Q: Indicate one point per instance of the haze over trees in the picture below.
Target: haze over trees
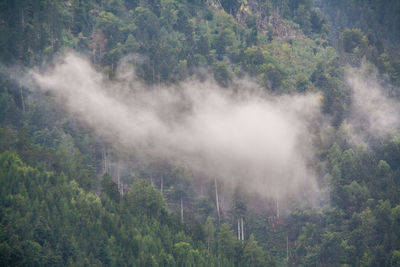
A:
(199, 133)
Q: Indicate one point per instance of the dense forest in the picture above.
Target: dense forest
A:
(199, 133)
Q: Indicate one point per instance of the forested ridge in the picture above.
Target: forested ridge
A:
(71, 197)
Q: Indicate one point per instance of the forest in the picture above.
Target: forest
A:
(199, 133)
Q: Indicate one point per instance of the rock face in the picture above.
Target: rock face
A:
(281, 29)
(214, 5)
(267, 22)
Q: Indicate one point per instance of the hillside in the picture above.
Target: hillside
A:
(199, 133)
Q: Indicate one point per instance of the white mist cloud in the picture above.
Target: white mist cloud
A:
(263, 141)
(373, 112)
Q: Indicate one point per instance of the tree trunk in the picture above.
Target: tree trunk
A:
(182, 210)
(238, 224)
(277, 206)
(118, 179)
(287, 249)
(22, 99)
(216, 198)
(105, 167)
(241, 219)
(162, 184)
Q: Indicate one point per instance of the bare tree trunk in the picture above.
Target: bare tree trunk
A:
(238, 224)
(162, 184)
(22, 99)
(105, 167)
(151, 180)
(216, 198)
(241, 219)
(182, 210)
(277, 206)
(118, 179)
(94, 53)
(287, 249)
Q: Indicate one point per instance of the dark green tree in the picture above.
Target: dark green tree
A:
(110, 188)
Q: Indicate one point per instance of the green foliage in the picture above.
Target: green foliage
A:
(378, 17)
(222, 74)
(253, 255)
(142, 198)
(224, 35)
(64, 224)
(110, 188)
(302, 16)
(226, 242)
(56, 207)
(352, 39)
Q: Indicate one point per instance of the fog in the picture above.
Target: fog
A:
(372, 113)
(244, 134)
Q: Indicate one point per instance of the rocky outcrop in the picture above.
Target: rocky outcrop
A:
(268, 22)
